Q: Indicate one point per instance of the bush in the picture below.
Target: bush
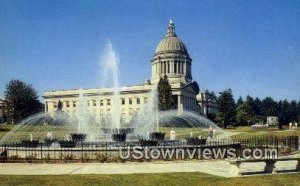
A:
(195, 141)
(101, 157)
(157, 136)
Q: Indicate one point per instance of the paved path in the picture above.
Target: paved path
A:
(218, 168)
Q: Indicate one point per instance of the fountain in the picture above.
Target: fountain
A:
(82, 126)
(110, 66)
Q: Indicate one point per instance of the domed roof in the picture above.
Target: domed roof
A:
(171, 43)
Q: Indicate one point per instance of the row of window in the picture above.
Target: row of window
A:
(108, 102)
(104, 112)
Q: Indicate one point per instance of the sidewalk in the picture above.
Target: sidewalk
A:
(218, 168)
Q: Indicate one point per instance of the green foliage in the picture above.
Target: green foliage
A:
(22, 100)
(244, 113)
(255, 110)
(165, 101)
(239, 101)
(227, 110)
(268, 107)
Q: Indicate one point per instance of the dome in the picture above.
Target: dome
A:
(171, 43)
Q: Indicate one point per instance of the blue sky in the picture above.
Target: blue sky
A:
(252, 47)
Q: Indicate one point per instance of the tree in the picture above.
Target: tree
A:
(293, 111)
(22, 100)
(227, 111)
(298, 111)
(257, 107)
(268, 107)
(282, 113)
(239, 102)
(165, 101)
(244, 113)
(250, 102)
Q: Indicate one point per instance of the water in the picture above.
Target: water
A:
(110, 77)
(83, 121)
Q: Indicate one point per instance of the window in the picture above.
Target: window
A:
(145, 100)
(130, 111)
(94, 103)
(55, 105)
(130, 101)
(123, 101)
(108, 111)
(74, 103)
(108, 101)
(101, 102)
(68, 104)
(138, 100)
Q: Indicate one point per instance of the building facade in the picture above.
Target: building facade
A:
(3, 111)
(171, 58)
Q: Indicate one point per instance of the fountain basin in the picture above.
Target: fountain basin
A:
(121, 137)
(115, 130)
(67, 144)
(157, 136)
(144, 142)
(30, 143)
(76, 137)
(49, 141)
(196, 141)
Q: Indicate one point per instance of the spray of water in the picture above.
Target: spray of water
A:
(148, 120)
(110, 77)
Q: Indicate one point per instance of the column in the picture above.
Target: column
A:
(180, 103)
(64, 105)
(159, 68)
(46, 105)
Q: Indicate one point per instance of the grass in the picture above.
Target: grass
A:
(153, 179)
(274, 131)
(150, 179)
(59, 132)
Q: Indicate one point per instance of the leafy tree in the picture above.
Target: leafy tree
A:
(227, 110)
(257, 107)
(282, 112)
(268, 107)
(22, 100)
(250, 102)
(165, 100)
(244, 113)
(293, 111)
(239, 102)
(298, 111)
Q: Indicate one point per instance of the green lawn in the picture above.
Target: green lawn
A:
(39, 132)
(245, 130)
(150, 179)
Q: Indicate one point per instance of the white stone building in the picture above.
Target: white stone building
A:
(3, 110)
(171, 58)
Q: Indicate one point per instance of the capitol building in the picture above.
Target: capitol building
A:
(171, 58)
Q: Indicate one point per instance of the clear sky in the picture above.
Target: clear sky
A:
(252, 47)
